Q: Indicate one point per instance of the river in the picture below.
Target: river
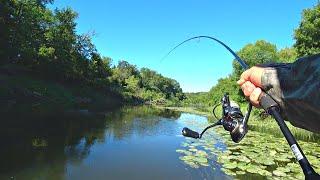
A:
(130, 143)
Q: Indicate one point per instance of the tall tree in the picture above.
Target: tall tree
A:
(307, 35)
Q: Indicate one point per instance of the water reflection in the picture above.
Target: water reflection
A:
(32, 144)
(41, 148)
(141, 121)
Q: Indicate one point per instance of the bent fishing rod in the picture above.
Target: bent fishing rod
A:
(233, 120)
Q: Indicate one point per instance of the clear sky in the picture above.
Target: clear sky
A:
(143, 31)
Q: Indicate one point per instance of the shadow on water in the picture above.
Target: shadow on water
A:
(41, 148)
(41, 143)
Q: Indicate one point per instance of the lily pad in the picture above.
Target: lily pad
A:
(244, 159)
(264, 172)
(193, 150)
(201, 159)
(252, 169)
(186, 158)
(240, 172)
(279, 173)
(283, 169)
(272, 153)
(201, 153)
(228, 172)
(230, 165)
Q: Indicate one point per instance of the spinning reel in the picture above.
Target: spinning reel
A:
(232, 120)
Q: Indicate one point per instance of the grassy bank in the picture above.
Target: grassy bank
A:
(256, 123)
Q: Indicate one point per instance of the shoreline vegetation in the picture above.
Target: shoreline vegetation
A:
(47, 67)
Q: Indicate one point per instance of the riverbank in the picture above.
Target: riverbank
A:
(22, 92)
(256, 123)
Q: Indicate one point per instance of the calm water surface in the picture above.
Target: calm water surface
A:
(132, 143)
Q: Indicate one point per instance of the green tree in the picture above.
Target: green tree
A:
(307, 35)
(260, 52)
(22, 25)
(132, 84)
(287, 55)
(123, 71)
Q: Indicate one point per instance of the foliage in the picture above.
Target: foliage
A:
(307, 35)
(46, 42)
(288, 55)
(147, 84)
(261, 52)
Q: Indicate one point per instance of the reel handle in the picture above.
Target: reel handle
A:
(189, 133)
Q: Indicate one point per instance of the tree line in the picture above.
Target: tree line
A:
(45, 41)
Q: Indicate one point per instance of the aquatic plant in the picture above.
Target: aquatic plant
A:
(259, 155)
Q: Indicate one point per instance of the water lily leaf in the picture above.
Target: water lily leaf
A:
(279, 173)
(228, 172)
(180, 151)
(264, 172)
(235, 147)
(224, 158)
(242, 165)
(252, 155)
(252, 169)
(204, 164)
(283, 169)
(244, 159)
(193, 150)
(280, 149)
(268, 162)
(229, 165)
(201, 159)
(282, 159)
(240, 172)
(236, 153)
(201, 153)
(262, 167)
(186, 158)
(273, 153)
(314, 160)
(184, 144)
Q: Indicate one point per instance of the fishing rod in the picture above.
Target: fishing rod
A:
(233, 120)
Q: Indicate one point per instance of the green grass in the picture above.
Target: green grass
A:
(270, 126)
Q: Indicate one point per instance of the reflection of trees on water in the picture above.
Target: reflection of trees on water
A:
(40, 148)
(138, 120)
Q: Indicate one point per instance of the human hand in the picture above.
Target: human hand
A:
(250, 83)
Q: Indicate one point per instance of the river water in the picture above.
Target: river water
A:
(131, 143)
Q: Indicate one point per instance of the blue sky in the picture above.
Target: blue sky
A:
(143, 31)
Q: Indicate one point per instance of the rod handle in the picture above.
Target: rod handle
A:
(267, 102)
